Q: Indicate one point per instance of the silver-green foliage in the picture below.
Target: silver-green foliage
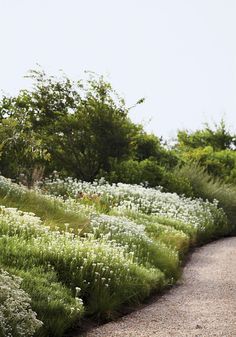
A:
(17, 319)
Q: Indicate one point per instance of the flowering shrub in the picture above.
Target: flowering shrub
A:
(96, 246)
(123, 198)
(15, 222)
(52, 210)
(134, 238)
(16, 316)
(100, 267)
(55, 304)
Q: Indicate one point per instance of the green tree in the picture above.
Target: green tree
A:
(213, 149)
(80, 127)
(21, 150)
(218, 137)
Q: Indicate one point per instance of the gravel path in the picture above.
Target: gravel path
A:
(203, 305)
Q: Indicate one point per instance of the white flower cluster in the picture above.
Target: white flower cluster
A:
(16, 222)
(122, 197)
(8, 187)
(117, 225)
(17, 319)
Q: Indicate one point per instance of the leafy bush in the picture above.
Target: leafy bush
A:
(17, 319)
(61, 123)
(212, 148)
(149, 172)
(55, 304)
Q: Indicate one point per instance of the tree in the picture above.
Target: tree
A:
(213, 149)
(21, 150)
(74, 127)
(219, 138)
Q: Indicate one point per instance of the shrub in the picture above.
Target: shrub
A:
(55, 304)
(118, 259)
(209, 188)
(17, 319)
(105, 271)
(134, 238)
(149, 172)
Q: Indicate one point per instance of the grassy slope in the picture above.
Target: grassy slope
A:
(53, 268)
(51, 210)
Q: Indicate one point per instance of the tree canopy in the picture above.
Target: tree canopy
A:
(213, 148)
(82, 129)
(77, 128)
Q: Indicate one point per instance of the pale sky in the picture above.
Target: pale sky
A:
(178, 54)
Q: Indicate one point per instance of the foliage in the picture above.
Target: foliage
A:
(148, 172)
(149, 146)
(17, 319)
(218, 138)
(105, 272)
(73, 127)
(21, 148)
(54, 303)
(80, 129)
(118, 259)
(213, 149)
(122, 198)
(210, 188)
(85, 246)
(52, 211)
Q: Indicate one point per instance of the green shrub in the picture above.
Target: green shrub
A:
(134, 238)
(118, 259)
(17, 319)
(55, 304)
(149, 172)
(105, 272)
(207, 187)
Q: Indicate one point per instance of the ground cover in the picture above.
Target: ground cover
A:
(90, 248)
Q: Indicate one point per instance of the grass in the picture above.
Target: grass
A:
(52, 301)
(175, 234)
(117, 260)
(207, 187)
(51, 210)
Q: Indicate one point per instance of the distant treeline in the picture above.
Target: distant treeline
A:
(82, 129)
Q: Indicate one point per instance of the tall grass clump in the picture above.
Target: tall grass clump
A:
(210, 188)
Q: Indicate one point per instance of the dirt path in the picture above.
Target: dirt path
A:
(204, 305)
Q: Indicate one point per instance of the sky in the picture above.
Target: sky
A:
(178, 54)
